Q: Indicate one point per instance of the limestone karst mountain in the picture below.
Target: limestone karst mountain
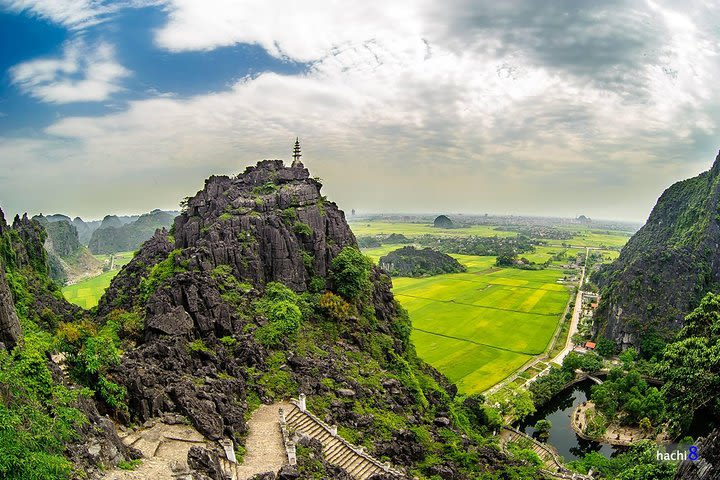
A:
(69, 260)
(667, 266)
(258, 293)
(418, 262)
(122, 234)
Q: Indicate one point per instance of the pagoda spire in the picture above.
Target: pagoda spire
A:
(296, 153)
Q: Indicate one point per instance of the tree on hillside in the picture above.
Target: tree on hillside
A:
(605, 347)
(690, 366)
(512, 401)
(350, 273)
(542, 428)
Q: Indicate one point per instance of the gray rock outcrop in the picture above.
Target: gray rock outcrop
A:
(10, 332)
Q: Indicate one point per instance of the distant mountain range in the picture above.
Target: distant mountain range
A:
(70, 243)
(120, 234)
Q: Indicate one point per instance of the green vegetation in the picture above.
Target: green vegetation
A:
(280, 306)
(160, 272)
(693, 359)
(87, 293)
(302, 228)
(589, 362)
(480, 326)
(549, 385)
(198, 346)
(129, 464)
(231, 289)
(350, 273)
(628, 399)
(639, 463)
(512, 401)
(129, 236)
(412, 262)
(265, 189)
(91, 350)
(37, 415)
(542, 427)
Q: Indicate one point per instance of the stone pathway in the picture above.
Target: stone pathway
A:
(164, 448)
(264, 444)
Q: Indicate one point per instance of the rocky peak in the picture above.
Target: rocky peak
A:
(269, 223)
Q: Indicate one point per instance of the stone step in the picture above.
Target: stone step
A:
(335, 451)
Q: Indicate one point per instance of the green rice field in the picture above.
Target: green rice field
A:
(87, 293)
(584, 237)
(480, 326)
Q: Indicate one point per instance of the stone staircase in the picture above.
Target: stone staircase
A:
(553, 464)
(337, 451)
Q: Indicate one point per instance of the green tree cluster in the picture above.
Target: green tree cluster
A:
(638, 463)
(690, 366)
(37, 415)
(628, 397)
(350, 273)
(588, 362)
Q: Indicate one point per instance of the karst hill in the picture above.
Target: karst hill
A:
(667, 266)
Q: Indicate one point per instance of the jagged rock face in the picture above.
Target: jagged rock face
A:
(10, 331)
(62, 235)
(667, 266)
(30, 249)
(124, 289)
(243, 222)
(707, 467)
(208, 387)
(85, 229)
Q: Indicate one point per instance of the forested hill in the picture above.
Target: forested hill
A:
(667, 266)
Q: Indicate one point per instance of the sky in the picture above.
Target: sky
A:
(560, 107)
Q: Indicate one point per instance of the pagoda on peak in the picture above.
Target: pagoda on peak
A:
(296, 154)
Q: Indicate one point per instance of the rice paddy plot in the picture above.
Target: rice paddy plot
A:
(87, 293)
(480, 326)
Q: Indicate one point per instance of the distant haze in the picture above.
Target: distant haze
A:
(575, 107)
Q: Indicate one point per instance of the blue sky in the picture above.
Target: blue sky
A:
(478, 106)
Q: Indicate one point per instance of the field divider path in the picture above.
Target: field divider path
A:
(478, 306)
(527, 285)
(474, 342)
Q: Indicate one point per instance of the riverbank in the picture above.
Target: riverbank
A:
(615, 435)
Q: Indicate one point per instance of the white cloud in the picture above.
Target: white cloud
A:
(394, 116)
(75, 14)
(82, 74)
(302, 31)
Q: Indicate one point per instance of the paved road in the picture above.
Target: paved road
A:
(568, 343)
(575, 317)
